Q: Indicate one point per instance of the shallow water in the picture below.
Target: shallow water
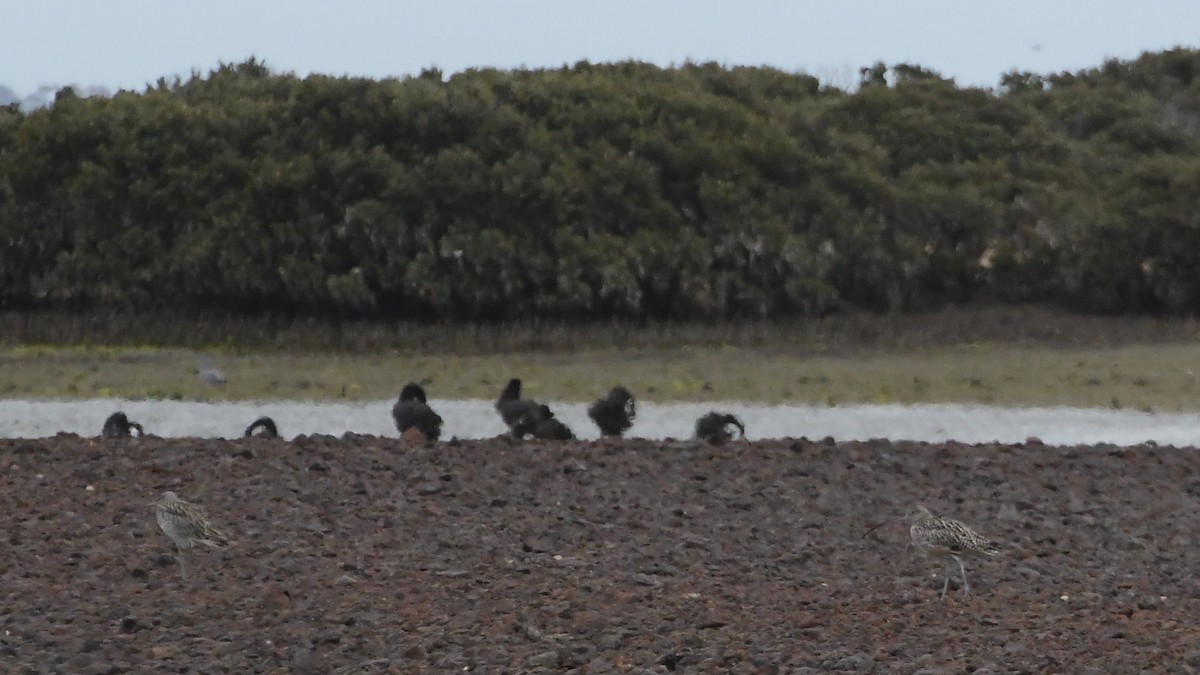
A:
(477, 419)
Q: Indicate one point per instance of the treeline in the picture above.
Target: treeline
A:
(619, 190)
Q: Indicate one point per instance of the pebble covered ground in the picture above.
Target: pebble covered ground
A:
(376, 555)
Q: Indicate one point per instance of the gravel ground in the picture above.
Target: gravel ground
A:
(363, 554)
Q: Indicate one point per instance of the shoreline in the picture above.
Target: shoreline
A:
(667, 423)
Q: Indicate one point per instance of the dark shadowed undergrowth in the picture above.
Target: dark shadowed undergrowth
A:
(1003, 324)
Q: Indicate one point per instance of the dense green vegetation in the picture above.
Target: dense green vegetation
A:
(622, 190)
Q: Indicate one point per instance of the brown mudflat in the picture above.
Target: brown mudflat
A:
(368, 554)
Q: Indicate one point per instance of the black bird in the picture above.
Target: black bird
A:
(118, 426)
(615, 412)
(717, 428)
(412, 411)
(526, 417)
(263, 427)
(516, 411)
(540, 422)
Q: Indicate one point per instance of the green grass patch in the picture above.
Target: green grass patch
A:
(1134, 376)
(1001, 354)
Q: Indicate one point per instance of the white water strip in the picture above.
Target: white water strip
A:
(477, 419)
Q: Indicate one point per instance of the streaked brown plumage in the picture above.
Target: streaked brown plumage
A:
(949, 538)
(186, 525)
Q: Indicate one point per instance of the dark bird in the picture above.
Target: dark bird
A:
(263, 427)
(718, 428)
(510, 405)
(516, 411)
(614, 413)
(540, 422)
(413, 411)
(118, 426)
(526, 417)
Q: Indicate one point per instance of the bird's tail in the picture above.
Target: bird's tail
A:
(512, 391)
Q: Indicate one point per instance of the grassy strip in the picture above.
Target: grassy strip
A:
(1137, 376)
(1002, 355)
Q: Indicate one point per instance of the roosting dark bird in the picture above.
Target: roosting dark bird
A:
(413, 411)
(515, 410)
(118, 426)
(717, 428)
(540, 422)
(525, 417)
(263, 427)
(614, 413)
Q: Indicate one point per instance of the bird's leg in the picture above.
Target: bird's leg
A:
(182, 563)
(963, 571)
(946, 583)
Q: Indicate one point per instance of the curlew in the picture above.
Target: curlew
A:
(949, 538)
(186, 526)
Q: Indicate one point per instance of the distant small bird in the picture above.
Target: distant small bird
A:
(263, 427)
(412, 411)
(717, 428)
(209, 372)
(186, 526)
(940, 537)
(522, 416)
(615, 412)
(118, 426)
(540, 422)
(511, 406)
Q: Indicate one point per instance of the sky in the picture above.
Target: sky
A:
(126, 44)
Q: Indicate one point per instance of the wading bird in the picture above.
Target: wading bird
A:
(186, 526)
(948, 539)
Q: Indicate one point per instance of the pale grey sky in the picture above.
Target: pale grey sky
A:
(128, 43)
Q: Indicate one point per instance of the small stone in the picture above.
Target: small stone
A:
(542, 660)
(642, 579)
(429, 488)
